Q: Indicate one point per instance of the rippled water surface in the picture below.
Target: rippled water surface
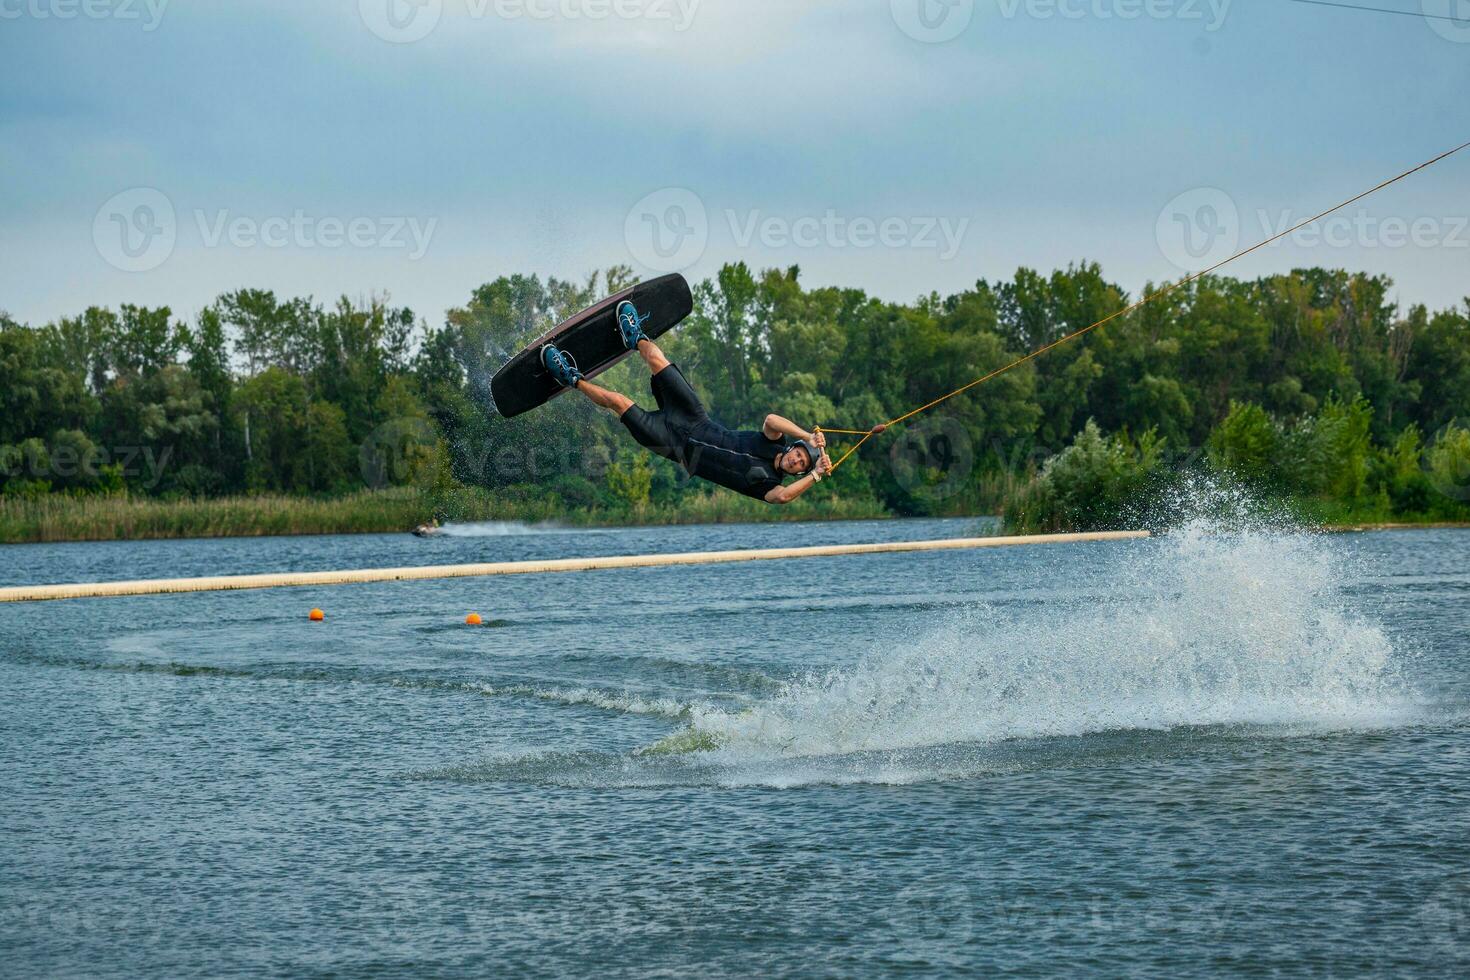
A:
(1207, 752)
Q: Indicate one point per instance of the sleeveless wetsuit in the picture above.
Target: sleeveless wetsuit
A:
(681, 430)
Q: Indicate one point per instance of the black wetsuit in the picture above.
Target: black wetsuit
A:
(681, 430)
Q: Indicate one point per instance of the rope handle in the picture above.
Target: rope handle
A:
(865, 433)
(816, 472)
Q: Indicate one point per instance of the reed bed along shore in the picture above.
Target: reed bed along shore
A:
(60, 517)
(57, 517)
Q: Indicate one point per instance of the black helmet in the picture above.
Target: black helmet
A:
(812, 454)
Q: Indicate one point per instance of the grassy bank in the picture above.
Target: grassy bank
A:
(58, 517)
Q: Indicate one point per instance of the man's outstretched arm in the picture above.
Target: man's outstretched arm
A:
(788, 493)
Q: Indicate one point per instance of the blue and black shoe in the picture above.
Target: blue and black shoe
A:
(560, 365)
(630, 324)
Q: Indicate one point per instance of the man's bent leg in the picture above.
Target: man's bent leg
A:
(652, 356)
(672, 391)
(653, 431)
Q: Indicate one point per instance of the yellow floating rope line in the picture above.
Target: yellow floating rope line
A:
(868, 434)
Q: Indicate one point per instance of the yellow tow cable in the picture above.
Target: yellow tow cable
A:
(875, 430)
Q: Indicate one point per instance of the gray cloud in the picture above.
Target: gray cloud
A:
(528, 139)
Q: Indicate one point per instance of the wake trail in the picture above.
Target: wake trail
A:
(503, 529)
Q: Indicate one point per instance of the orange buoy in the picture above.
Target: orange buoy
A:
(473, 619)
(317, 615)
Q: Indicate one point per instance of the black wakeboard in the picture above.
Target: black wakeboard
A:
(592, 338)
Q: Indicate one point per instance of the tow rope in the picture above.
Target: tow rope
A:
(875, 430)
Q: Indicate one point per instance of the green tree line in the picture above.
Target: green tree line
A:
(1313, 384)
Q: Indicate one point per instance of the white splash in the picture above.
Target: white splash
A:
(499, 529)
(1202, 626)
(623, 703)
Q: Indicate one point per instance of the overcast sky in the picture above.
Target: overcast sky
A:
(163, 153)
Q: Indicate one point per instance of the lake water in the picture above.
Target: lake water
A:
(1206, 752)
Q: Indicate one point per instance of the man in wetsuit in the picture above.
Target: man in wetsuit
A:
(752, 462)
